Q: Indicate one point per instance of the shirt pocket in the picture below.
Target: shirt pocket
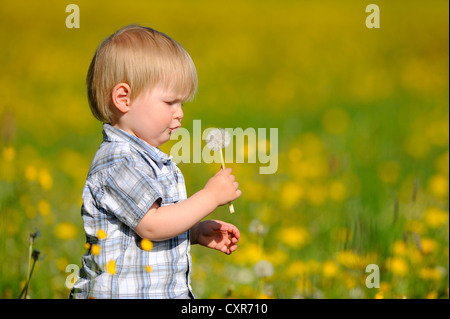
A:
(170, 190)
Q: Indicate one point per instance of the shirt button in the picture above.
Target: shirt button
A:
(171, 192)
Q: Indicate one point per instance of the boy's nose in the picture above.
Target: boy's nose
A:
(178, 113)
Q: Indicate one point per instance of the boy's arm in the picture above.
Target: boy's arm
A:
(161, 223)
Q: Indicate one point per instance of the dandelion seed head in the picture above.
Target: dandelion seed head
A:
(256, 227)
(218, 138)
(263, 268)
(35, 254)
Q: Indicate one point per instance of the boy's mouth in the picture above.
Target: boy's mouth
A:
(174, 129)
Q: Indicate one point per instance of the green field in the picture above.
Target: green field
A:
(363, 141)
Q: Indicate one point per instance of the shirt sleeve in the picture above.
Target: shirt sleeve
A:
(129, 191)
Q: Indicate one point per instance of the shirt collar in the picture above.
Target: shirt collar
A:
(111, 133)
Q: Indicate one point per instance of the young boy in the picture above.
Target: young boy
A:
(139, 224)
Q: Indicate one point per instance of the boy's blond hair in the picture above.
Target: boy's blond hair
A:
(142, 58)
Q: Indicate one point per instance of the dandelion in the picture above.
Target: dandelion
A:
(429, 273)
(44, 207)
(31, 173)
(428, 245)
(95, 249)
(32, 254)
(432, 295)
(45, 179)
(101, 234)
(291, 194)
(216, 140)
(148, 268)
(435, 217)
(338, 191)
(111, 267)
(65, 231)
(256, 227)
(263, 268)
(397, 266)
(9, 153)
(329, 269)
(294, 236)
(438, 185)
(146, 244)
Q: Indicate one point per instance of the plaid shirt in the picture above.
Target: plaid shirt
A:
(126, 177)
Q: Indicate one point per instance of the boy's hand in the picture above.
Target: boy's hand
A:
(216, 234)
(223, 187)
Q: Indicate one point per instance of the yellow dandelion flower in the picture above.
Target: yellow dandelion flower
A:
(65, 231)
(399, 248)
(45, 179)
(87, 246)
(430, 274)
(148, 268)
(9, 153)
(296, 268)
(95, 249)
(250, 253)
(379, 295)
(353, 260)
(101, 234)
(438, 185)
(295, 236)
(349, 259)
(338, 191)
(428, 245)
(61, 263)
(111, 267)
(329, 269)
(435, 217)
(31, 172)
(277, 257)
(432, 295)
(397, 266)
(291, 194)
(44, 207)
(146, 244)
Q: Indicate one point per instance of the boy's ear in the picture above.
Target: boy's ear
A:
(121, 97)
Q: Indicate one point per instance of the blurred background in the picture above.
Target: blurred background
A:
(363, 127)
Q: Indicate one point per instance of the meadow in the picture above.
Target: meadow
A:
(363, 141)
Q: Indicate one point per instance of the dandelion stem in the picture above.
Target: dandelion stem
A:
(27, 284)
(30, 249)
(230, 204)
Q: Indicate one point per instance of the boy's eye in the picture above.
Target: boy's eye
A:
(173, 103)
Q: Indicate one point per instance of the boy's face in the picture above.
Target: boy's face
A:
(154, 115)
